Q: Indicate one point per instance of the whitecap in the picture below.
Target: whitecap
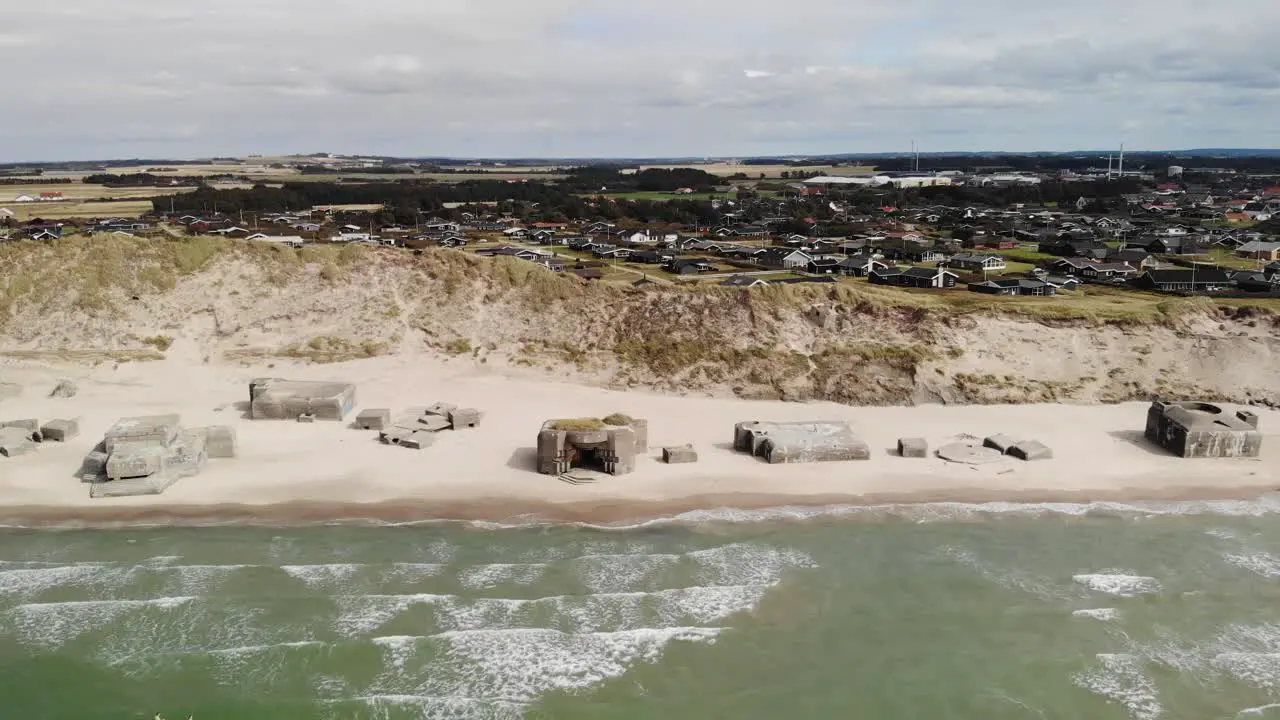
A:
(1104, 614)
(55, 624)
(1119, 583)
(620, 573)
(1006, 578)
(336, 574)
(1119, 678)
(747, 564)
(483, 577)
(1258, 563)
(27, 582)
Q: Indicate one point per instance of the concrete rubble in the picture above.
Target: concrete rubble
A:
(64, 389)
(276, 399)
(969, 452)
(609, 446)
(913, 448)
(679, 455)
(1030, 450)
(417, 427)
(1203, 430)
(146, 455)
(15, 441)
(800, 442)
(60, 430)
(1001, 443)
(376, 419)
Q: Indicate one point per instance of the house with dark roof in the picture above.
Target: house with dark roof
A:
(917, 277)
(744, 281)
(908, 252)
(860, 265)
(688, 266)
(1272, 269)
(1014, 286)
(1183, 280)
(1060, 282)
(1174, 245)
(652, 257)
(823, 266)
(784, 258)
(1255, 282)
(976, 262)
(1137, 259)
(1108, 272)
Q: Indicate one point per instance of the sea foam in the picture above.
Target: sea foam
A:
(1119, 678)
(1118, 583)
(52, 625)
(1104, 614)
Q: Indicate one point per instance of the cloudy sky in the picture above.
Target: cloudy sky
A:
(554, 78)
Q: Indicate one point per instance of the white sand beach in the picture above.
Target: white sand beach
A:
(327, 470)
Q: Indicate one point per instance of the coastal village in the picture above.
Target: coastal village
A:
(1182, 230)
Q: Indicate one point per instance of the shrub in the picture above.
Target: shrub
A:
(617, 420)
(577, 424)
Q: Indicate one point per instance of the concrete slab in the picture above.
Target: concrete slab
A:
(154, 429)
(464, 418)
(60, 430)
(1031, 450)
(913, 448)
(373, 419)
(679, 455)
(800, 442)
(1001, 443)
(15, 441)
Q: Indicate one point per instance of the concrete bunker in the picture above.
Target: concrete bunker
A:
(799, 442)
(276, 399)
(1203, 430)
(146, 455)
(417, 427)
(609, 445)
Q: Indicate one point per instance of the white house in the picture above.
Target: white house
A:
(24, 198)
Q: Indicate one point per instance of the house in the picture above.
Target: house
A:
(1014, 286)
(860, 265)
(46, 234)
(293, 241)
(1103, 272)
(1060, 282)
(452, 241)
(24, 199)
(688, 266)
(551, 262)
(1259, 250)
(1137, 259)
(652, 257)
(597, 228)
(233, 231)
(442, 226)
(1072, 266)
(976, 262)
(1255, 282)
(587, 273)
(1173, 245)
(1272, 269)
(744, 281)
(544, 237)
(909, 252)
(823, 266)
(1183, 279)
(784, 258)
(917, 277)
(515, 232)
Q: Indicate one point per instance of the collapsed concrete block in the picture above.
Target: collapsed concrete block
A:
(60, 430)
(94, 466)
(1031, 450)
(136, 460)
(913, 448)
(396, 434)
(276, 399)
(1001, 443)
(419, 440)
(306, 418)
(157, 429)
(375, 419)
(463, 418)
(441, 409)
(679, 455)
(64, 389)
(30, 424)
(1203, 430)
(429, 423)
(219, 441)
(799, 442)
(15, 441)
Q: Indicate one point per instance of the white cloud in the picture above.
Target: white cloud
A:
(614, 77)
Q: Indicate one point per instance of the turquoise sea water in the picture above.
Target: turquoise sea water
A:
(932, 612)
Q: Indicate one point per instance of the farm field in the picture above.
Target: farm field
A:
(70, 209)
(725, 169)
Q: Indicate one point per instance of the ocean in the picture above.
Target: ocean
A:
(939, 611)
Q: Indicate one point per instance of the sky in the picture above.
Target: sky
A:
(100, 79)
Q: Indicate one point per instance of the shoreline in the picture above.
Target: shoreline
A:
(505, 512)
(295, 473)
